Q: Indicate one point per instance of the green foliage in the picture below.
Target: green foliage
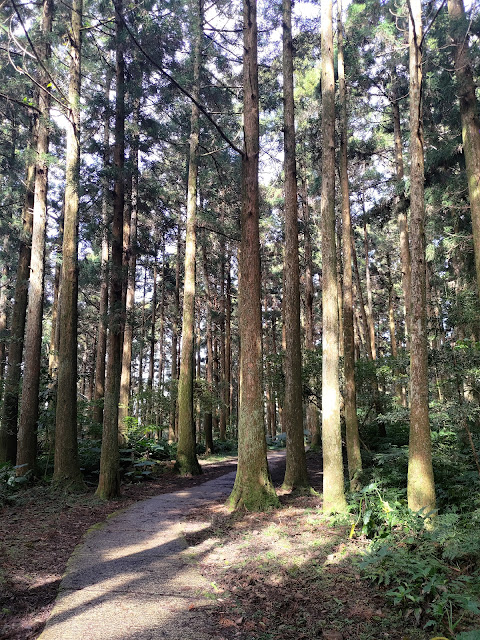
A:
(10, 483)
(429, 566)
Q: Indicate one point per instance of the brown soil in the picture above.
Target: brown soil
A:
(38, 534)
(283, 575)
(289, 574)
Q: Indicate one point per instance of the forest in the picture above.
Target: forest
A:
(228, 229)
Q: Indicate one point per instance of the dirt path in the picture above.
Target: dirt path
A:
(132, 579)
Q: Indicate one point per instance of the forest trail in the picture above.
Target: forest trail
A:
(133, 577)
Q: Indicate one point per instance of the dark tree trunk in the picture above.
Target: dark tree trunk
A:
(253, 488)
(67, 472)
(296, 476)
(109, 480)
(27, 430)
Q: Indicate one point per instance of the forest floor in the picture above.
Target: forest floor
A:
(286, 574)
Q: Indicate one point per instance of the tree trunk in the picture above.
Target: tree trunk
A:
(208, 412)
(401, 206)
(351, 421)
(421, 487)
(103, 309)
(174, 350)
(109, 480)
(223, 378)
(253, 489)
(333, 485)
(469, 116)
(313, 424)
(131, 257)
(67, 472)
(27, 430)
(187, 462)
(151, 360)
(55, 327)
(8, 430)
(368, 281)
(296, 476)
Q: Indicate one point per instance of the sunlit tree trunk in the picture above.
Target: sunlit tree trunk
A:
(333, 485)
(351, 421)
(421, 487)
(253, 488)
(67, 472)
(27, 429)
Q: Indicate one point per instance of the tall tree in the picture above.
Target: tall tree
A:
(66, 467)
(333, 485)
(109, 479)
(253, 488)
(421, 487)
(8, 429)
(351, 421)
(469, 115)
(101, 351)
(27, 429)
(131, 257)
(186, 456)
(296, 476)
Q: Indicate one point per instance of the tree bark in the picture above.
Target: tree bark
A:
(351, 421)
(469, 115)
(8, 430)
(27, 430)
(109, 480)
(253, 489)
(101, 351)
(333, 485)
(421, 487)
(296, 476)
(401, 206)
(174, 350)
(187, 462)
(313, 424)
(125, 379)
(67, 472)
(208, 410)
